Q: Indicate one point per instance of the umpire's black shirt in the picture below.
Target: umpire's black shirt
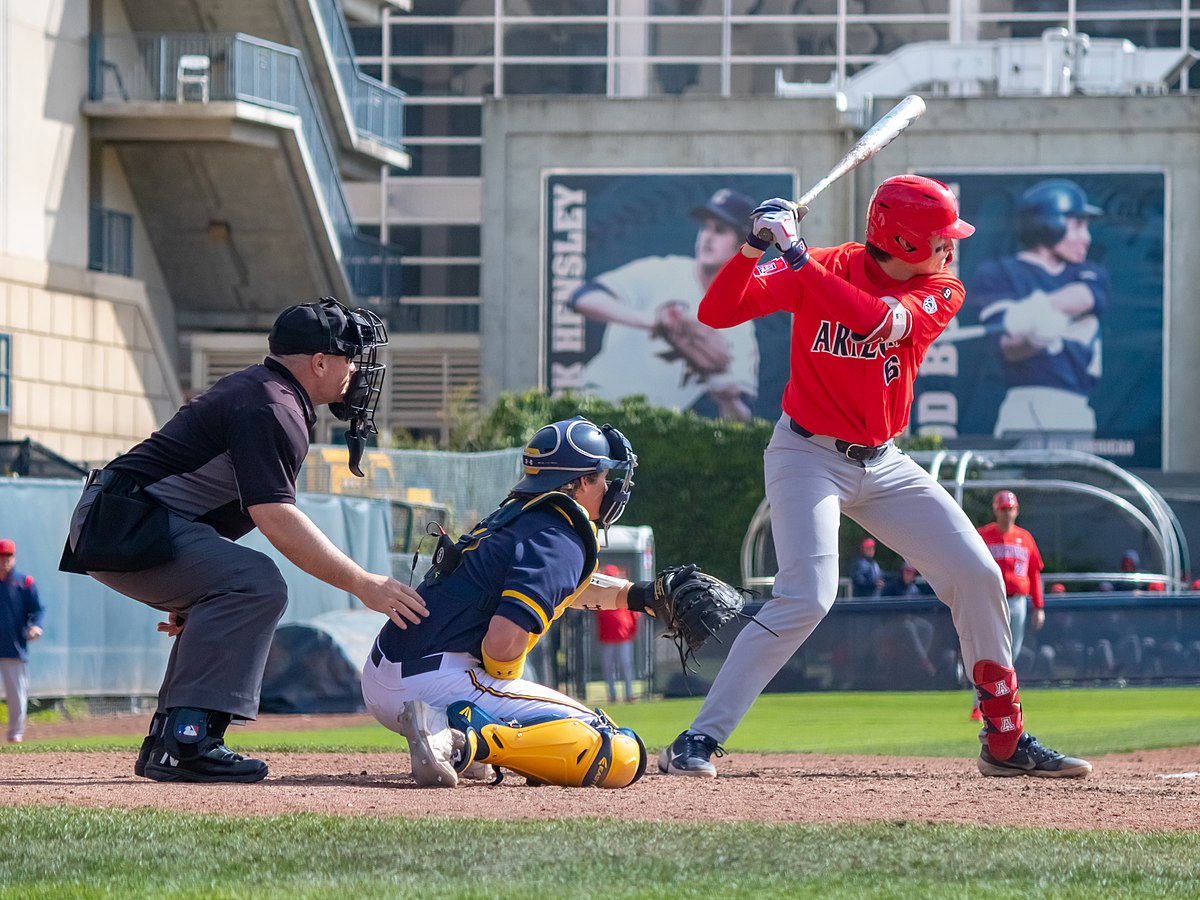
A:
(238, 444)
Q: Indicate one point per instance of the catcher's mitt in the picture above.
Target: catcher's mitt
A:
(704, 350)
(693, 606)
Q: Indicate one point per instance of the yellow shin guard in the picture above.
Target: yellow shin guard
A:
(565, 752)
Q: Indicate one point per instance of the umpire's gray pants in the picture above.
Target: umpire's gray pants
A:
(230, 599)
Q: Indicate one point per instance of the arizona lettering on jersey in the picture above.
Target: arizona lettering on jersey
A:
(1016, 552)
(858, 336)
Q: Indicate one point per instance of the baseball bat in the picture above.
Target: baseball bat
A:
(969, 333)
(878, 136)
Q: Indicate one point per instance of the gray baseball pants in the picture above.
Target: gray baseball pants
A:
(230, 599)
(810, 485)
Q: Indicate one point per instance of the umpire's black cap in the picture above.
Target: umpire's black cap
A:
(730, 206)
(320, 327)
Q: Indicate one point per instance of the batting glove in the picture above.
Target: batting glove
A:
(762, 240)
(782, 225)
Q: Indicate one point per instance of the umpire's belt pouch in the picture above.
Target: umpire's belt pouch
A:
(124, 531)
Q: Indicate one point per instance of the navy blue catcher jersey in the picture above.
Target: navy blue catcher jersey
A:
(527, 571)
(1076, 367)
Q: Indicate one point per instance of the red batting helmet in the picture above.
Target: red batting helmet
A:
(907, 210)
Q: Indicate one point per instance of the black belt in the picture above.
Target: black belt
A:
(410, 667)
(860, 453)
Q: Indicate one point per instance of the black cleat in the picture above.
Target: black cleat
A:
(213, 763)
(1031, 758)
(191, 747)
(689, 754)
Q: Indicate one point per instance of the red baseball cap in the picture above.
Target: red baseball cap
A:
(7, 548)
(867, 542)
(1004, 500)
(1058, 588)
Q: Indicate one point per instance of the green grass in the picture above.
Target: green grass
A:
(58, 852)
(1078, 721)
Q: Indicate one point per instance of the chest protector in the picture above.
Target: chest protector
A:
(447, 556)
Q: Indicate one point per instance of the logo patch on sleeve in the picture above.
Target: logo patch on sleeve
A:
(773, 266)
(947, 293)
(929, 305)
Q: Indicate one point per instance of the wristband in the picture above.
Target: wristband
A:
(505, 670)
(638, 593)
(756, 242)
(797, 254)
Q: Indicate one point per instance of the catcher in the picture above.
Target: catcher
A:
(453, 686)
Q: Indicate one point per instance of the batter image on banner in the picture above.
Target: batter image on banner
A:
(653, 344)
(863, 319)
(1059, 344)
(454, 686)
(1045, 304)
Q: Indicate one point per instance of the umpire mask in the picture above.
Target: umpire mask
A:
(356, 334)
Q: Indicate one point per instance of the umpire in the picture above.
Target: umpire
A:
(159, 524)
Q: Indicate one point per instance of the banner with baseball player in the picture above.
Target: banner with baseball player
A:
(627, 257)
(1060, 342)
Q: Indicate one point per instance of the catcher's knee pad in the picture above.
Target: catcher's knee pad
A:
(1000, 704)
(565, 752)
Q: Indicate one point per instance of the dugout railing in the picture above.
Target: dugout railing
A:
(1084, 511)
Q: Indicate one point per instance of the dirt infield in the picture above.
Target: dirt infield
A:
(1146, 791)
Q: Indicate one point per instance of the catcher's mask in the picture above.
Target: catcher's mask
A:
(560, 453)
(327, 326)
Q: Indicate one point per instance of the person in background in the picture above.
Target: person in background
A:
(20, 622)
(866, 576)
(1016, 552)
(617, 629)
(906, 585)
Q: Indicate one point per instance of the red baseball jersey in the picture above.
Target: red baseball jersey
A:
(1017, 554)
(616, 625)
(852, 366)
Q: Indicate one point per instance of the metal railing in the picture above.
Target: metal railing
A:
(987, 471)
(164, 68)
(719, 48)
(110, 241)
(376, 108)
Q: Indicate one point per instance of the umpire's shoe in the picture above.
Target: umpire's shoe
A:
(193, 749)
(689, 755)
(1031, 758)
(148, 742)
(430, 744)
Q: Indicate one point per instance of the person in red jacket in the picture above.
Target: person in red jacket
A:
(863, 318)
(618, 628)
(1016, 552)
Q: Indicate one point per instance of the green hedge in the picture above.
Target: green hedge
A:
(698, 481)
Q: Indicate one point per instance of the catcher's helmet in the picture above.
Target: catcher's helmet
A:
(567, 450)
(1043, 210)
(907, 210)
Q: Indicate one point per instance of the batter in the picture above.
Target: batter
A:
(863, 319)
